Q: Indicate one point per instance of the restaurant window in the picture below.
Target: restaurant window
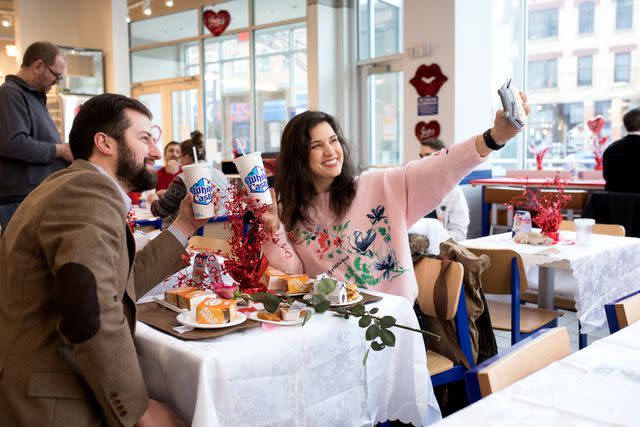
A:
(165, 62)
(269, 11)
(585, 17)
(165, 28)
(622, 67)
(585, 70)
(379, 28)
(543, 74)
(227, 90)
(280, 81)
(624, 14)
(561, 103)
(543, 23)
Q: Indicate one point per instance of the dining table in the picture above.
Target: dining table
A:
(310, 375)
(596, 386)
(606, 269)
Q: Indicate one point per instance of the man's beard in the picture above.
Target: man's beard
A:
(136, 178)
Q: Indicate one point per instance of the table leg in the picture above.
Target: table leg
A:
(546, 285)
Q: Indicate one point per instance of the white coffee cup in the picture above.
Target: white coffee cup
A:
(254, 176)
(584, 230)
(197, 178)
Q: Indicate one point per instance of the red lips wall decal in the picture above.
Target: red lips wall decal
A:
(216, 22)
(427, 130)
(428, 80)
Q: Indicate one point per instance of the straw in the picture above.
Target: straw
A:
(195, 155)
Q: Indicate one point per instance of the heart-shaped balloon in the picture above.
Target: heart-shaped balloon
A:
(596, 124)
(216, 22)
(427, 130)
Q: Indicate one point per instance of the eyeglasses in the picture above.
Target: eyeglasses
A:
(58, 77)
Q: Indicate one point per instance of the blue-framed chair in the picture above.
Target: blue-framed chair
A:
(623, 311)
(441, 369)
(506, 276)
(526, 357)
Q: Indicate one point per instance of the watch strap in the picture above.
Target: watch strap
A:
(490, 142)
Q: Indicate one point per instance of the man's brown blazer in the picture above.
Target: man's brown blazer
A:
(69, 276)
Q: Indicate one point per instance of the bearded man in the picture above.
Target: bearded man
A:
(69, 277)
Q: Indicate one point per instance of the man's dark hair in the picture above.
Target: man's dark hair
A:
(45, 51)
(631, 120)
(102, 113)
(434, 143)
(166, 147)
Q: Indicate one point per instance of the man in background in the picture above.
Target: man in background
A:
(620, 159)
(30, 146)
(171, 167)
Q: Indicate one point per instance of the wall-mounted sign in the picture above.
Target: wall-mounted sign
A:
(216, 22)
(427, 105)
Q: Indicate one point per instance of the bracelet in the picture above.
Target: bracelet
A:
(490, 142)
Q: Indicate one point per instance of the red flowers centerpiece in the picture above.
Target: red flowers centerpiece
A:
(546, 206)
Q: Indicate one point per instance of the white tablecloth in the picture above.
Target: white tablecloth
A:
(293, 376)
(596, 386)
(604, 271)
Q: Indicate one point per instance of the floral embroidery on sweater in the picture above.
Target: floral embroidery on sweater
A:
(373, 259)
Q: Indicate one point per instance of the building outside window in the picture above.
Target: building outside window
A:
(624, 14)
(543, 23)
(569, 81)
(585, 17)
(585, 70)
(543, 74)
(622, 67)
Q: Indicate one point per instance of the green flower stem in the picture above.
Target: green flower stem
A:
(437, 337)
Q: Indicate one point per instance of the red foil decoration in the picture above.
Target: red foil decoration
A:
(539, 152)
(545, 206)
(598, 142)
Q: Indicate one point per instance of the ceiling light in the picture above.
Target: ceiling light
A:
(128, 19)
(146, 8)
(6, 21)
(169, 3)
(11, 50)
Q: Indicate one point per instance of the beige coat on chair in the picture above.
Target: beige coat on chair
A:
(69, 276)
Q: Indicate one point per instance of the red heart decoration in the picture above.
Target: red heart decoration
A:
(596, 124)
(216, 22)
(428, 80)
(156, 135)
(427, 130)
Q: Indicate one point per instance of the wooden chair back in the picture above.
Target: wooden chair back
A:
(623, 312)
(497, 278)
(608, 229)
(528, 356)
(207, 243)
(427, 271)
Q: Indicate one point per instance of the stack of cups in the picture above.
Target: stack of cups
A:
(197, 178)
(584, 229)
(253, 175)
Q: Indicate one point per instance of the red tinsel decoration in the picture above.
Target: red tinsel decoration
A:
(245, 262)
(547, 206)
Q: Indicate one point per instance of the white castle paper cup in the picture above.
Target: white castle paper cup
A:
(254, 177)
(197, 178)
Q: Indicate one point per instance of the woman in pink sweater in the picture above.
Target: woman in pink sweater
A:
(355, 229)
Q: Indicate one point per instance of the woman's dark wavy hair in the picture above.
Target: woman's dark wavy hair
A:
(294, 183)
(186, 146)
